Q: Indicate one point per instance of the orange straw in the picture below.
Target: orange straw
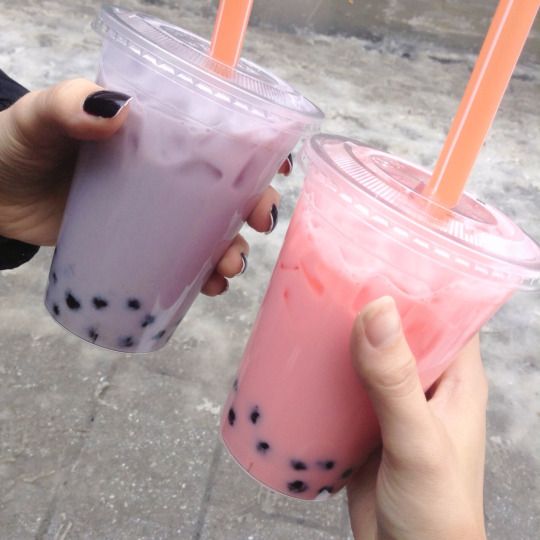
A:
(492, 72)
(229, 30)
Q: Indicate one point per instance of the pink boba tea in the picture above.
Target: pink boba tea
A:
(298, 419)
(152, 210)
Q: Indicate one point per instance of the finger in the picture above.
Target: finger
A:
(460, 401)
(287, 166)
(387, 368)
(264, 217)
(215, 285)
(361, 497)
(234, 262)
(76, 109)
(464, 384)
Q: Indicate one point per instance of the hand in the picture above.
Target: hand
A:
(39, 138)
(426, 483)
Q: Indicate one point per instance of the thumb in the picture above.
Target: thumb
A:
(387, 367)
(77, 109)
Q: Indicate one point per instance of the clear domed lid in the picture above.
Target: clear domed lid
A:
(184, 58)
(386, 190)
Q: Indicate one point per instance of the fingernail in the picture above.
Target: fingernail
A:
(273, 219)
(244, 264)
(381, 322)
(105, 104)
(289, 164)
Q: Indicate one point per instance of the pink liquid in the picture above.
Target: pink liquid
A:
(298, 419)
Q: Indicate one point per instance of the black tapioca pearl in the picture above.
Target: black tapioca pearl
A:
(347, 473)
(231, 417)
(99, 303)
(133, 304)
(326, 465)
(298, 465)
(56, 309)
(72, 302)
(159, 335)
(235, 385)
(263, 447)
(127, 341)
(93, 335)
(54, 278)
(148, 320)
(326, 489)
(298, 486)
(255, 415)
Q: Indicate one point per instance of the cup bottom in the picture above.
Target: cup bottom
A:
(91, 332)
(323, 495)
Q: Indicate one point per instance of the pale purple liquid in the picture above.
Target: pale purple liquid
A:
(152, 210)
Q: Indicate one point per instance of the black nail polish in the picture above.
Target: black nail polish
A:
(244, 263)
(290, 160)
(273, 219)
(105, 104)
(289, 168)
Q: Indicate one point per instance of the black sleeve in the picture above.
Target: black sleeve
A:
(10, 91)
(12, 252)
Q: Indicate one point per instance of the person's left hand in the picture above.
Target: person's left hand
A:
(39, 138)
(427, 480)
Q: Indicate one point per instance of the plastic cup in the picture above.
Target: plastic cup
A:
(152, 210)
(298, 419)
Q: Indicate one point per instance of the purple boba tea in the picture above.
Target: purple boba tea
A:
(152, 210)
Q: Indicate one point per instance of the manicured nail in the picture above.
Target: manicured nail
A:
(105, 104)
(244, 264)
(287, 166)
(273, 219)
(382, 323)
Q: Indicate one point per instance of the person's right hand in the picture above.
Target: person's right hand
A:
(427, 481)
